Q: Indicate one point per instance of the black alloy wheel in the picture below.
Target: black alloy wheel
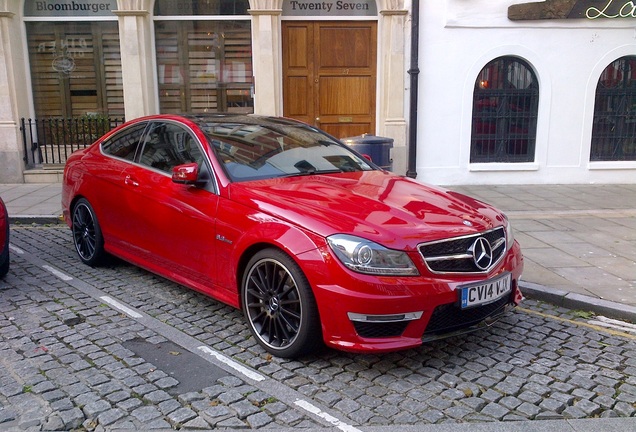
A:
(279, 305)
(87, 235)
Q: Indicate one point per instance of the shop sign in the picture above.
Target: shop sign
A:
(573, 9)
(63, 64)
(607, 9)
(330, 8)
(63, 52)
(69, 8)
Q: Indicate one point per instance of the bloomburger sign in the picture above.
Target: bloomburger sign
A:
(71, 8)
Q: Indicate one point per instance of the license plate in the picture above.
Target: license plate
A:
(485, 292)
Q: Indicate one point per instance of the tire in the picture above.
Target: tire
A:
(87, 234)
(4, 254)
(279, 305)
(4, 260)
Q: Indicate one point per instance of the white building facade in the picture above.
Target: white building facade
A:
(574, 59)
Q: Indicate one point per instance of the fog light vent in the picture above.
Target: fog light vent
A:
(380, 326)
(380, 329)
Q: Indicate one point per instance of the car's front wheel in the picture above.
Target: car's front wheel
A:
(279, 305)
(87, 234)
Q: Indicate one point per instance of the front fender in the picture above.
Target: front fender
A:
(241, 232)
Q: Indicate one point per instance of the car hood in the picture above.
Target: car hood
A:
(394, 211)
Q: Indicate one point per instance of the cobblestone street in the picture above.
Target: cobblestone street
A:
(116, 348)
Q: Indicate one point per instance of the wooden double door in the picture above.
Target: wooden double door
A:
(329, 75)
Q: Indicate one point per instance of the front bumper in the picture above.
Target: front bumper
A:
(379, 314)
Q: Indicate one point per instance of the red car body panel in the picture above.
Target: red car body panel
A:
(203, 238)
(4, 239)
(4, 223)
(395, 211)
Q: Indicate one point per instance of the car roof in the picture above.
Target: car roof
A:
(248, 119)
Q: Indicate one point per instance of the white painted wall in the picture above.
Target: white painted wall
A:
(459, 37)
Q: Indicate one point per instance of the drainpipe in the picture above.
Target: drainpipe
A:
(414, 72)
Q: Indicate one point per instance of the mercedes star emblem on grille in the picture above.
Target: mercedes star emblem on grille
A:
(482, 253)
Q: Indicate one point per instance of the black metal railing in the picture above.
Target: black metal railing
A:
(50, 141)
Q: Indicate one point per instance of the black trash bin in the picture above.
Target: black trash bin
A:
(376, 147)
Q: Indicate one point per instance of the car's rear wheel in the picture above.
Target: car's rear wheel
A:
(279, 305)
(87, 234)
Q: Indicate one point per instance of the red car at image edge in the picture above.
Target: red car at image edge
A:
(4, 239)
(310, 239)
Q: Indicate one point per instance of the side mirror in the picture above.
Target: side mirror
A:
(185, 174)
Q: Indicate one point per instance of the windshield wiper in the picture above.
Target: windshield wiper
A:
(311, 172)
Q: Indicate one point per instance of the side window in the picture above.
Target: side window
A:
(505, 109)
(124, 143)
(167, 145)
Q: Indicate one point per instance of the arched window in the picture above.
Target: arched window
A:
(614, 127)
(505, 105)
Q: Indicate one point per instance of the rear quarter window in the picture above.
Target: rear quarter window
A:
(124, 143)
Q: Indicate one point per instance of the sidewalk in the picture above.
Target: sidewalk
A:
(579, 241)
(33, 202)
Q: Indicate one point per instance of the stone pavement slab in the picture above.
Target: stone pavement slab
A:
(33, 201)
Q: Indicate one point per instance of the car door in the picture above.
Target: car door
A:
(174, 224)
(108, 187)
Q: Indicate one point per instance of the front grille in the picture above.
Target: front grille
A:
(380, 330)
(450, 317)
(454, 255)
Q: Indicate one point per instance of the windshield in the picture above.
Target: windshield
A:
(255, 151)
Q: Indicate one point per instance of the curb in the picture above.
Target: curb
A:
(575, 301)
(36, 220)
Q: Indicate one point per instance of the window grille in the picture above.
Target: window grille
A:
(614, 127)
(505, 105)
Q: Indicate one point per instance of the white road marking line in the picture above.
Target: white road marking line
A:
(331, 419)
(279, 390)
(612, 323)
(57, 273)
(16, 249)
(125, 309)
(595, 327)
(231, 363)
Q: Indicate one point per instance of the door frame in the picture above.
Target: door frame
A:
(319, 79)
(393, 42)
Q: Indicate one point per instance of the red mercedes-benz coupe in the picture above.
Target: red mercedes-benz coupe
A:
(309, 238)
(4, 239)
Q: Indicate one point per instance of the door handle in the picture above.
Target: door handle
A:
(129, 181)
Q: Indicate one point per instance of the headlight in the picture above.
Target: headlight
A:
(510, 235)
(365, 256)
